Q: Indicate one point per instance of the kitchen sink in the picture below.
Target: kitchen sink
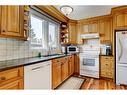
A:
(51, 55)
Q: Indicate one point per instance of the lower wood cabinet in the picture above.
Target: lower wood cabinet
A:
(14, 85)
(71, 65)
(62, 68)
(76, 64)
(12, 79)
(56, 72)
(107, 66)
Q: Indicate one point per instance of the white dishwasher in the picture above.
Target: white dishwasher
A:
(38, 76)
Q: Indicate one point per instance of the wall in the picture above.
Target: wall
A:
(14, 49)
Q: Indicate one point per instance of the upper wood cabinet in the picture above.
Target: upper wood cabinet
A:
(90, 26)
(85, 27)
(72, 32)
(120, 20)
(105, 30)
(119, 17)
(93, 27)
(79, 32)
(12, 21)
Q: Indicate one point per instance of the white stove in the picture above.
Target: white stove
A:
(89, 62)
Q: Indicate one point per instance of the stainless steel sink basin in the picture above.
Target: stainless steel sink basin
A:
(51, 55)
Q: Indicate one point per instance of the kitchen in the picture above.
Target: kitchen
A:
(42, 47)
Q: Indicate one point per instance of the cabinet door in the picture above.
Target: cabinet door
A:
(76, 64)
(71, 65)
(107, 67)
(93, 27)
(12, 20)
(56, 74)
(14, 85)
(64, 69)
(105, 30)
(85, 28)
(72, 33)
(79, 32)
(120, 20)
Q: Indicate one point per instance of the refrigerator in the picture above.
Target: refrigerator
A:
(121, 57)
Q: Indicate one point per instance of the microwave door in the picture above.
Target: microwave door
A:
(71, 49)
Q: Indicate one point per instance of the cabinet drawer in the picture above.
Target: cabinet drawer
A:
(57, 60)
(109, 74)
(64, 59)
(11, 74)
(103, 73)
(56, 64)
(18, 84)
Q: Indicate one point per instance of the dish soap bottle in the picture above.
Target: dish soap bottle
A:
(39, 54)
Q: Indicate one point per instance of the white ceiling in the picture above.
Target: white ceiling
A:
(87, 11)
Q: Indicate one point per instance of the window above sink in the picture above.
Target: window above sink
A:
(44, 32)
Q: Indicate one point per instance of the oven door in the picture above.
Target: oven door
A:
(89, 63)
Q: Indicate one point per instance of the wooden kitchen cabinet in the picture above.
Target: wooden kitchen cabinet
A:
(56, 72)
(90, 27)
(107, 66)
(15, 85)
(71, 64)
(76, 64)
(64, 68)
(12, 21)
(105, 29)
(12, 79)
(120, 20)
(72, 32)
(93, 27)
(119, 17)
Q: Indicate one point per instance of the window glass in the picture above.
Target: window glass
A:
(53, 35)
(37, 32)
(44, 32)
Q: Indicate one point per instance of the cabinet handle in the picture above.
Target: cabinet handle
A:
(61, 64)
(37, 68)
(2, 78)
(3, 31)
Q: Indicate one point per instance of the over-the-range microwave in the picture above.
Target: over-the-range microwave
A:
(72, 49)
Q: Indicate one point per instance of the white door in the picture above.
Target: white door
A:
(121, 57)
(121, 74)
(121, 47)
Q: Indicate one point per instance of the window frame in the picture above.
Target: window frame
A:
(48, 19)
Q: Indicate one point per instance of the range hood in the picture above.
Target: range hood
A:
(90, 36)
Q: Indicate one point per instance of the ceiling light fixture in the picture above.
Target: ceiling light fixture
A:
(66, 10)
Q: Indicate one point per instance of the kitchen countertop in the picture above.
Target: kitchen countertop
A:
(8, 64)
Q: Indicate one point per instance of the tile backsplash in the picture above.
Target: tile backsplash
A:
(14, 49)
